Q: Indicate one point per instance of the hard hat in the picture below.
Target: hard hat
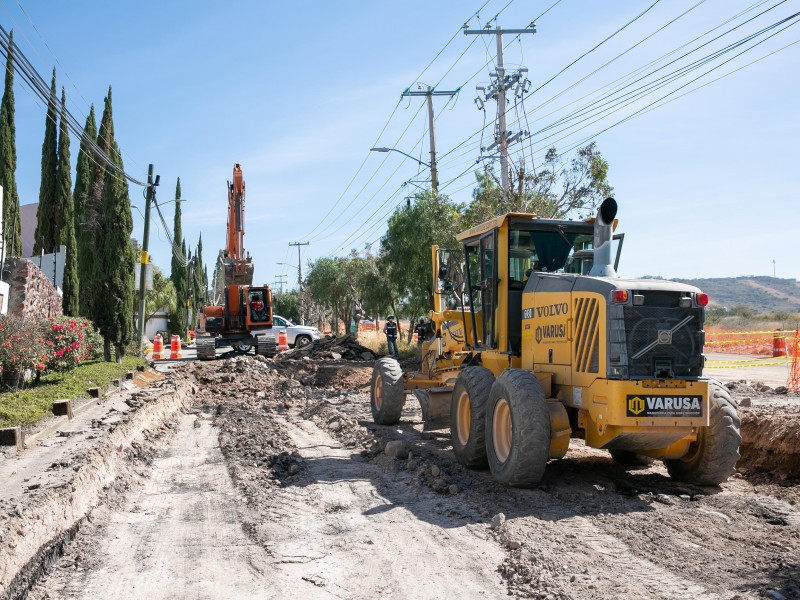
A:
(390, 318)
(422, 319)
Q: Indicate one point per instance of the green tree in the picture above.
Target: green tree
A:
(199, 285)
(555, 190)
(338, 284)
(8, 160)
(161, 296)
(177, 318)
(287, 304)
(406, 249)
(84, 238)
(66, 226)
(47, 215)
(114, 314)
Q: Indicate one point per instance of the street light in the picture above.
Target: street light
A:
(288, 265)
(432, 167)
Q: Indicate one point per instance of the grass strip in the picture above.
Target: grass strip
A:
(28, 405)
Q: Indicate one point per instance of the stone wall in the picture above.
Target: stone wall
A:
(32, 294)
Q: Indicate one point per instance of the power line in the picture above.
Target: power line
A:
(36, 83)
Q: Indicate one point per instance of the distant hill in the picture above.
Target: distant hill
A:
(761, 294)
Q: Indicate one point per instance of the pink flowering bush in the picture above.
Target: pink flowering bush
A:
(29, 349)
(69, 341)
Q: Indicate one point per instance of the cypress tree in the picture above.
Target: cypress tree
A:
(177, 320)
(47, 214)
(115, 263)
(199, 285)
(66, 225)
(84, 233)
(8, 160)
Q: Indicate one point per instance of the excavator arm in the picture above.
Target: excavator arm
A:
(238, 265)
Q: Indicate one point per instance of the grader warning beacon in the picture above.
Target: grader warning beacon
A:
(535, 339)
(244, 320)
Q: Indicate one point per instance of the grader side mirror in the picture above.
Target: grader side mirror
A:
(442, 272)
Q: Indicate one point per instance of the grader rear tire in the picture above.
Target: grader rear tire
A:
(386, 392)
(468, 416)
(712, 458)
(517, 429)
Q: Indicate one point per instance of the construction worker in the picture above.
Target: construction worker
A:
(391, 329)
(257, 312)
(420, 329)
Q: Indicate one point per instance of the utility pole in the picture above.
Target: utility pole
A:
(150, 195)
(300, 277)
(299, 264)
(497, 91)
(429, 94)
(281, 279)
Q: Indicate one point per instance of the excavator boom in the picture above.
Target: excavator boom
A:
(235, 239)
(238, 265)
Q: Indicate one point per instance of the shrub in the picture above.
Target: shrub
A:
(58, 344)
(69, 342)
(22, 352)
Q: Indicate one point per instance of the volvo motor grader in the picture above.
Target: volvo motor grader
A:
(244, 320)
(535, 340)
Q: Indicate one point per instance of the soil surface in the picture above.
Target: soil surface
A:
(275, 483)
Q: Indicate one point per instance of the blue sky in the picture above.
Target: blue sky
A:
(298, 93)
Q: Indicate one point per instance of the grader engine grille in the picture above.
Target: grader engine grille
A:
(587, 338)
(662, 340)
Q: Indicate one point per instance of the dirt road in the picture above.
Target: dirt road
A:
(278, 486)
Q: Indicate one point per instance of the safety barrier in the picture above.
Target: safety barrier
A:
(283, 340)
(775, 347)
(175, 348)
(158, 347)
(793, 383)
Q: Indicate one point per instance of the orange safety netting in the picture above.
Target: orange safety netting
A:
(759, 343)
(793, 383)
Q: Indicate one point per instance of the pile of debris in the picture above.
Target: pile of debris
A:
(343, 347)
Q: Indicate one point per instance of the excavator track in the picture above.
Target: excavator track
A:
(267, 346)
(206, 348)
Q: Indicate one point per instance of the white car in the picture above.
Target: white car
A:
(298, 335)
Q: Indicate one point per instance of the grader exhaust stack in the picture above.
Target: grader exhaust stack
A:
(602, 265)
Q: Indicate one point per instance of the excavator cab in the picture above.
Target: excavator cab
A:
(259, 307)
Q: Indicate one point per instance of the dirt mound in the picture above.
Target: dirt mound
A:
(770, 442)
(345, 346)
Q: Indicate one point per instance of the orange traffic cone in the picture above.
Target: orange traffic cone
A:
(283, 340)
(158, 348)
(175, 348)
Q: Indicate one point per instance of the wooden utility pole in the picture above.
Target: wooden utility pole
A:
(145, 259)
(497, 91)
(300, 277)
(429, 94)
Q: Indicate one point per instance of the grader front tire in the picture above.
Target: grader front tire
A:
(468, 416)
(712, 458)
(517, 429)
(386, 392)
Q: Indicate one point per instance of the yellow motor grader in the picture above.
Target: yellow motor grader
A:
(535, 339)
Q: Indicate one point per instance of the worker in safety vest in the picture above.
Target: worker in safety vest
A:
(391, 329)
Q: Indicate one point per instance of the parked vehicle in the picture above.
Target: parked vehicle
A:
(297, 335)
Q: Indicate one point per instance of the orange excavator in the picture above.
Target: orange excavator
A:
(244, 321)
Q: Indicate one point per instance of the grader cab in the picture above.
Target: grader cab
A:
(535, 340)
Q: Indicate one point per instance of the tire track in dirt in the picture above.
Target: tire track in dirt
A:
(354, 540)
